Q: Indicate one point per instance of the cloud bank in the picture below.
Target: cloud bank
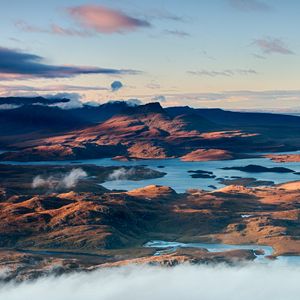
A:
(61, 100)
(16, 64)
(259, 282)
(33, 100)
(74, 100)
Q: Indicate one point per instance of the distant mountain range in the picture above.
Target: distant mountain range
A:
(43, 131)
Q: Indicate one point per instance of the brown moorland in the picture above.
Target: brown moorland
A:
(115, 225)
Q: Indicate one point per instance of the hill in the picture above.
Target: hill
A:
(146, 131)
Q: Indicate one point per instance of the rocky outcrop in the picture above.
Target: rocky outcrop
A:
(207, 155)
(260, 169)
(283, 158)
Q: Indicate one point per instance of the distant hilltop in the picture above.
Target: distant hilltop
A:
(41, 130)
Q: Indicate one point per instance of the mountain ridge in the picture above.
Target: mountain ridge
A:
(141, 132)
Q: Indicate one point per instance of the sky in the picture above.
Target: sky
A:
(233, 54)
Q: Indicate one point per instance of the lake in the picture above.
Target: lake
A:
(168, 247)
(177, 176)
(180, 180)
(216, 247)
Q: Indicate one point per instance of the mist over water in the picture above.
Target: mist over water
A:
(121, 174)
(272, 281)
(68, 180)
(177, 175)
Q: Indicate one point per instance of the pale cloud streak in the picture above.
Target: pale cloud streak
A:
(95, 19)
(177, 33)
(239, 99)
(250, 5)
(226, 73)
(54, 29)
(271, 45)
(50, 88)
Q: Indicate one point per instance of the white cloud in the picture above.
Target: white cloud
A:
(8, 106)
(124, 174)
(260, 282)
(68, 180)
(159, 98)
(74, 102)
(121, 174)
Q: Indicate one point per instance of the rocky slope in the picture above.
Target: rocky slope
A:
(142, 132)
(209, 154)
(23, 265)
(44, 132)
(283, 158)
(90, 221)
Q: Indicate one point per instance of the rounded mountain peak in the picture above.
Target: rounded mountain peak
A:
(153, 107)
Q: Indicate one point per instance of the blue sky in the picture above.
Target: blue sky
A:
(237, 54)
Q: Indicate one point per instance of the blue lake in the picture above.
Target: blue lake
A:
(168, 247)
(164, 246)
(177, 175)
(180, 180)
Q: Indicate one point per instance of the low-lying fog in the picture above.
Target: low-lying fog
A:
(67, 180)
(274, 281)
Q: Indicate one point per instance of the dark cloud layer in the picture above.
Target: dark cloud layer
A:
(31, 100)
(116, 85)
(15, 64)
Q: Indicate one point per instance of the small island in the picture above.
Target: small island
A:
(259, 169)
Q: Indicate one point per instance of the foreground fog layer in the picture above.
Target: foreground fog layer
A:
(260, 282)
